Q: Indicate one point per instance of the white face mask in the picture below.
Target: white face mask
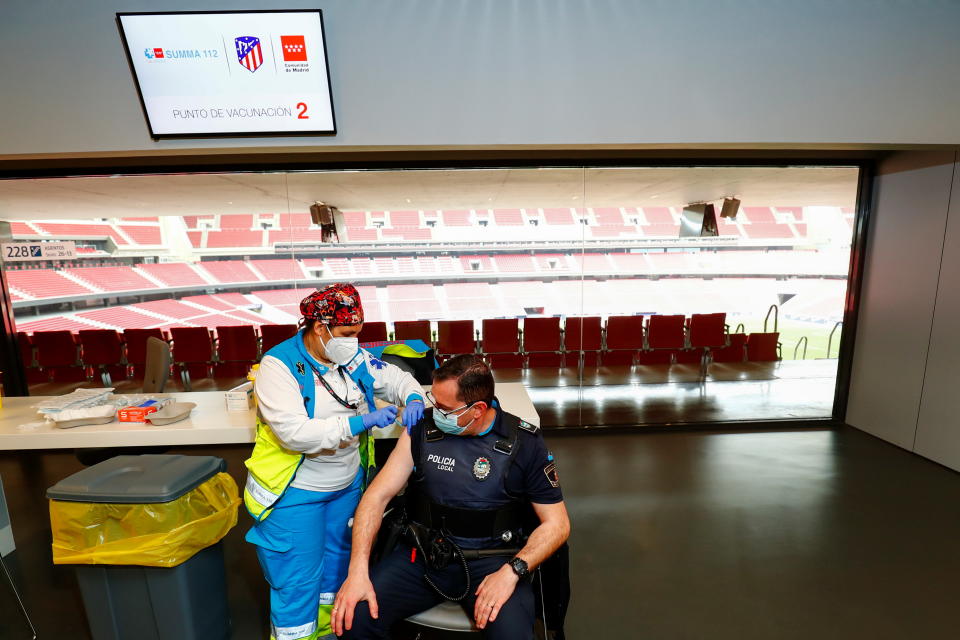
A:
(340, 350)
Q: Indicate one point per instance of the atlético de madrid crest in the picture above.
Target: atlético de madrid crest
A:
(481, 468)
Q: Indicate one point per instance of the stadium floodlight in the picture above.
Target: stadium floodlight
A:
(698, 220)
(730, 208)
(330, 221)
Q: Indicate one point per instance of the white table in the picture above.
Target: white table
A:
(209, 423)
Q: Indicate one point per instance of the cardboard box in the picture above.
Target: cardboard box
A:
(140, 412)
(240, 398)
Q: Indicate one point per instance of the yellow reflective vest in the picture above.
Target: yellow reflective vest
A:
(271, 467)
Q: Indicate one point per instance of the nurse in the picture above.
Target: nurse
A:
(314, 449)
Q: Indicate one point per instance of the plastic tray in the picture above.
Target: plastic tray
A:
(173, 412)
(79, 422)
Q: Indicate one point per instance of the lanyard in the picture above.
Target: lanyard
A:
(326, 385)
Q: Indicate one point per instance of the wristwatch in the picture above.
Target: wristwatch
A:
(519, 567)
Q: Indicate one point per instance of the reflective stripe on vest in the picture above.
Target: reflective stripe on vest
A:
(294, 633)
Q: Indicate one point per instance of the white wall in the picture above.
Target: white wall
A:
(469, 73)
(907, 357)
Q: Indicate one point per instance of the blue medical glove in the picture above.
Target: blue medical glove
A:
(412, 414)
(380, 418)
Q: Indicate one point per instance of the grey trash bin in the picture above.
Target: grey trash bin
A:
(185, 602)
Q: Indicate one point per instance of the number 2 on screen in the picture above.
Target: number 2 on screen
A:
(303, 111)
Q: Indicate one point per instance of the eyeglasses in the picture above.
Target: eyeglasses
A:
(446, 414)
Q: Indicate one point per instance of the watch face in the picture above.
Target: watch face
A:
(519, 567)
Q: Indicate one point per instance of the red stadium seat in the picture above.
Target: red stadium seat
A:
(708, 330)
(624, 340)
(373, 332)
(34, 373)
(102, 351)
(584, 337)
(57, 354)
(236, 351)
(412, 330)
(542, 342)
(455, 337)
(665, 332)
(660, 356)
(763, 347)
(500, 343)
(733, 352)
(192, 352)
(136, 341)
(273, 334)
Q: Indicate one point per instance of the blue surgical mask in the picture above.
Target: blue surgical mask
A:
(448, 424)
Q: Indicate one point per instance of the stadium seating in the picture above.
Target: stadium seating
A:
(147, 235)
(455, 337)
(584, 338)
(282, 269)
(237, 351)
(136, 344)
(624, 340)
(58, 355)
(664, 333)
(542, 342)
(112, 278)
(102, 352)
(763, 347)
(192, 353)
(413, 330)
(229, 271)
(273, 334)
(500, 343)
(373, 332)
(45, 283)
(735, 351)
(173, 274)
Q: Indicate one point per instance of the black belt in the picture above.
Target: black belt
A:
(465, 523)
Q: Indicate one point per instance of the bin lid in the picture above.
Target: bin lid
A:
(137, 479)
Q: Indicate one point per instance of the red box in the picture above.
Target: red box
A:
(137, 414)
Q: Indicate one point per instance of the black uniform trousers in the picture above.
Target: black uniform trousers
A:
(402, 592)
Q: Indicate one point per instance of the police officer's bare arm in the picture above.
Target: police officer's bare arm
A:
(496, 588)
(366, 524)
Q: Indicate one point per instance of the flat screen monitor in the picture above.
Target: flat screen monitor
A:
(230, 73)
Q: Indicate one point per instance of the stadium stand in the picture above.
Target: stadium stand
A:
(759, 215)
(508, 217)
(234, 239)
(229, 271)
(75, 230)
(112, 278)
(515, 264)
(558, 216)
(142, 234)
(45, 283)
(196, 239)
(658, 216)
(456, 218)
(767, 230)
(174, 274)
(283, 269)
(121, 317)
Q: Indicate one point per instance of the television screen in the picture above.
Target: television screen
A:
(230, 73)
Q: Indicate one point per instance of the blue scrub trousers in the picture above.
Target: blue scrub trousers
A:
(304, 551)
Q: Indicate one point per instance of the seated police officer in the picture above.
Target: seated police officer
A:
(469, 535)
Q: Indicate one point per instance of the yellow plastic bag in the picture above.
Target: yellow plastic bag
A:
(152, 535)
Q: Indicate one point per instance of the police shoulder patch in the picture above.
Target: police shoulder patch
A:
(552, 476)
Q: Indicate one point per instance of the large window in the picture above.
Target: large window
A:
(573, 281)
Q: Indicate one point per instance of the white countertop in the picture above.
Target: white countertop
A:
(209, 423)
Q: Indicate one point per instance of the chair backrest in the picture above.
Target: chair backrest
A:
(624, 332)
(237, 343)
(100, 346)
(273, 334)
(26, 348)
(708, 330)
(158, 365)
(500, 335)
(191, 344)
(136, 340)
(455, 336)
(665, 332)
(412, 330)
(541, 335)
(762, 347)
(373, 332)
(582, 334)
(55, 348)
